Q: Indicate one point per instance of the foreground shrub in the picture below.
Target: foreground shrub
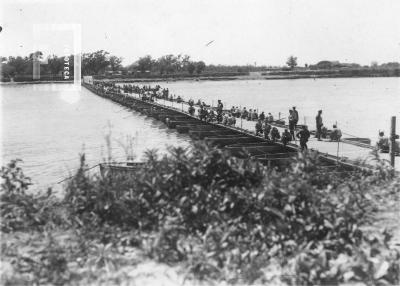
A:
(20, 210)
(225, 218)
(228, 217)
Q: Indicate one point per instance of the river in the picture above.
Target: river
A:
(360, 106)
(48, 126)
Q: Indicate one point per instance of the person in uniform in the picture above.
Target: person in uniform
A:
(262, 116)
(296, 116)
(292, 123)
(220, 107)
(275, 134)
(249, 114)
(383, 142)
(286, 137)
(259, 129)
(266, 128)
(225, 119)
(191, 108)
(270, 117)
(319, 124)
(303, 136)
(336, 134)
(231, 120)
(244, 113)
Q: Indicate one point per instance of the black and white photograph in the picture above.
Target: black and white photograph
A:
(200, 142)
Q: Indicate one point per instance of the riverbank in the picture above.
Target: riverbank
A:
(250, 76)
(36, 82)
(253, 76)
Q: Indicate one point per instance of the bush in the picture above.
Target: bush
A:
(21, 210)
(225, 218)
(228, 217)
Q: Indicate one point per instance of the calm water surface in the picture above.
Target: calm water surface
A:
(48, 128)
(360, 106)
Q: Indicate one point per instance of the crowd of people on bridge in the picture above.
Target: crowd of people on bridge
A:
(264, 121)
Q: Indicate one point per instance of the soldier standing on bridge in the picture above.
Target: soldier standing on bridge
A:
(270, 117)
(318, 121)
(296, 116)
(191, 108)
(266, 128)
(292, 123)
(220, 107)
(231, 120)
(262, 116)
(200, 112)
(259, 129)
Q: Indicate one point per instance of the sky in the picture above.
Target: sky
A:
(261, 32)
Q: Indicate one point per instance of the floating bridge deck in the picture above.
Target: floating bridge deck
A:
(239, 142)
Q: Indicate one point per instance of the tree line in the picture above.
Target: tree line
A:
(99, 63)
(102, 62)
(168, 64)
(53, 65)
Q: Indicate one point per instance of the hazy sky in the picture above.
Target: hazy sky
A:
(244, 32)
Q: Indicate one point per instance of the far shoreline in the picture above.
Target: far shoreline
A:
(35, 82)
(200, 78)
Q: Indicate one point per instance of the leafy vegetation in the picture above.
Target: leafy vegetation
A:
(102, 63)
(21, 68)
(292, 62)
(218, 217)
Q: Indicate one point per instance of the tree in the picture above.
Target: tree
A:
(391, 65)
(186, 61)
(324, 65)
(18, 63)
(200, 66)
(7, 70)
(374, 64)
(191, 68)
(55, 64)
(168, 64)
(115, 63)
(292, 62)
(95, 63)
(145, 63)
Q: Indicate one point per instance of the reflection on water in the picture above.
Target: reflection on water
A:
(48, 129)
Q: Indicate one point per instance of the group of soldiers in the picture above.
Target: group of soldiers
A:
(263, 125)
(250, 115)
(148, 92)
(208, 114)
(321, 131)
(264, 128)
(226, 117)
